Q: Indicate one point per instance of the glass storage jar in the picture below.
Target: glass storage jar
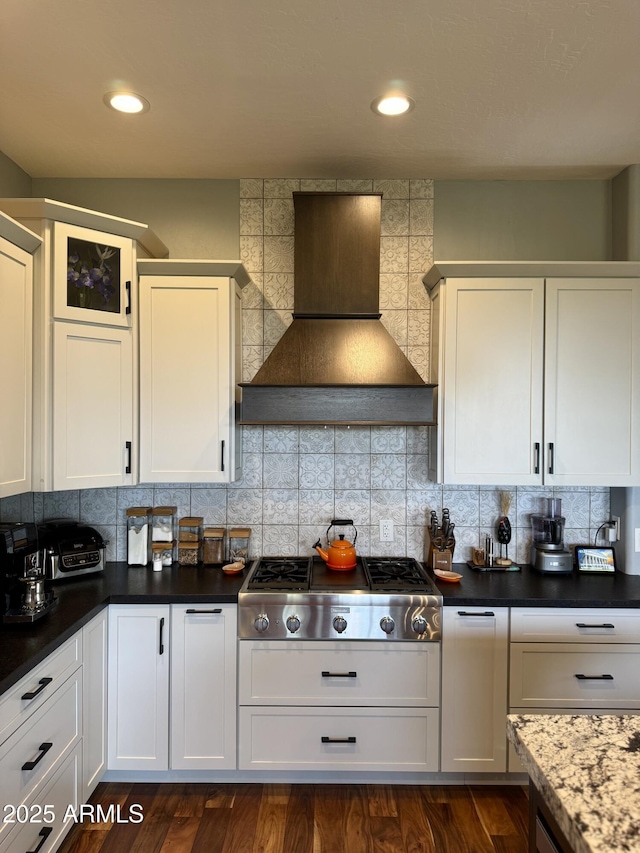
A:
(213, 546)
(138, 538)
(238, 544)
(164, 552)
(190, 529)
(188, 553)
(162, 523)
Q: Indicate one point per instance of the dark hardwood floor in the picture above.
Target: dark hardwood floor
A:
(274, 818)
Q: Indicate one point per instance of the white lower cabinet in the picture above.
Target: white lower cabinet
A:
(307, 705)
(345, 738)
(203, 686)
(138, 715)
(583, 661)
(61, 797)
(193, 648)
(94, 702)
(475, 649)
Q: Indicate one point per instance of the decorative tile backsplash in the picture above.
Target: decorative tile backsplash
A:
(296, 479)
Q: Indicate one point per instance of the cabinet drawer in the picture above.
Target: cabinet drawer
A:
(59, 794)
(571, 676)
(557, 625)
(15, 708)
(334, 673)
(372, 739)
(57, 723)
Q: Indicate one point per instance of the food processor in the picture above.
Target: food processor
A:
(548, 553)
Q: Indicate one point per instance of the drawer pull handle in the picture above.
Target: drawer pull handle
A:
(33, 693)
(44, 749)
(485, 613)
(44, 833)
(536, 457)
(216, 610)
(161, 648)
(326, 739)
(581, 677)
(603, 625)
(327, 674)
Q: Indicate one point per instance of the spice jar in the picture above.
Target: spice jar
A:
(238, 547)
(188, 553)
(190, 529)
(138, 540)
(162, 523)
(213, 546)
(189, 540)
(156, 552)
(162, 551)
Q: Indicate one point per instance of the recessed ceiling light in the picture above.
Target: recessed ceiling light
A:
(127, 102)
(393, 105)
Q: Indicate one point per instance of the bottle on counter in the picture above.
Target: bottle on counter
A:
(138, 538)
(163, 554)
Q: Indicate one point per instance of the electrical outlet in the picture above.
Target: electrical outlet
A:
(386, 530)
(616, 522)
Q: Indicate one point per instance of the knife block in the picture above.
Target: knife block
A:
(431, 548)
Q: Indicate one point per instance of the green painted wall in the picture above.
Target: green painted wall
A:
(522, 220)
(625, 214)
(193, 218)
(14, 181)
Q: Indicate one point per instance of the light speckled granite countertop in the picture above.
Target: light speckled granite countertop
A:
(587, 769)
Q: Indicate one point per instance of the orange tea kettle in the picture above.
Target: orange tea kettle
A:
(340, 554)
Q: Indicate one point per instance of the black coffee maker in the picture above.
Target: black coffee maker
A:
(25, 596)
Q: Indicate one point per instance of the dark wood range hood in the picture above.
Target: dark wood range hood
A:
(336, 363)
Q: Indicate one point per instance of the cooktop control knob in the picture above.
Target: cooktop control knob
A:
(340, 624)
(293, 624)
(261, 623)
(419, 624)
(387, 624)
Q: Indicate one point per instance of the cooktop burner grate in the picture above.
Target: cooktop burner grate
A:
(285, 573)
(397, 574)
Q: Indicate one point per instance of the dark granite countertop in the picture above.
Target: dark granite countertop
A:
(528, 588)
(22, 647)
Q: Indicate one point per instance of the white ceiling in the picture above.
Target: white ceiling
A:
(267, 88)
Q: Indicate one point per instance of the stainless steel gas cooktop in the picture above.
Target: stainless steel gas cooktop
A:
(388, 598)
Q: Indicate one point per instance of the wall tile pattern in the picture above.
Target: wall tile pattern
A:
(295, 479)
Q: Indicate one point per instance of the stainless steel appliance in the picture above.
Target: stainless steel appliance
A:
(25, 593)
(548, 553)
(383, 598)
(70, 549)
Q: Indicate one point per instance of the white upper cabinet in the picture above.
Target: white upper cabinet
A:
(537, 366)
(93, 272)
(493, 359)
(190, 338)
(592, 390)
(84, 334)
(17, 245)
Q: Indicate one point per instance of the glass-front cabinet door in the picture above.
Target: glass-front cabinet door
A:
(92, 275)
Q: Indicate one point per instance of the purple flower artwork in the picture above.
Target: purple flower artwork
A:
(93, 276)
